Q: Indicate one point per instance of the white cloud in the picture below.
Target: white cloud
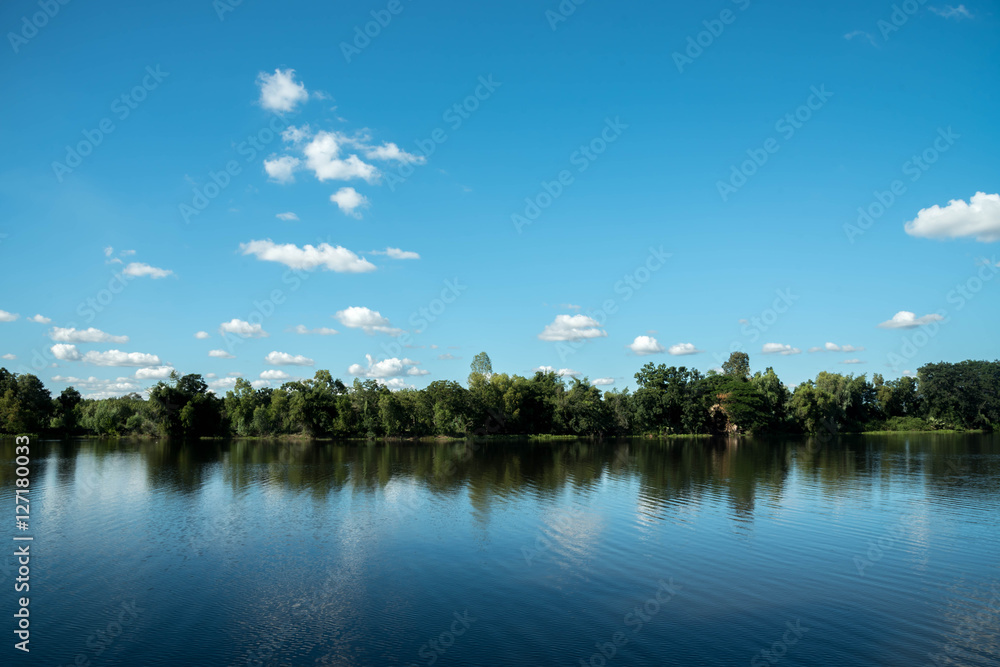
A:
(9, 357)
(280, 91)
(323, 157)
(288, 217)
(396, 253)
(572, 327)
(395, 384)
(154, 373)
(644, 345)
(284, 359)
(41, 319)
(447, 357)
(369, 321)
(602, 382)
(980, 218)
(8, 317)
(295, 135)
(220, 354)
(852, 361)
(904, 319)
(274, 375)
(349, 200)
(950, 12)
(302, 330)
(243, 329)
(93, 387)
(832, 347)
(65, 352)
(390, 151)
(91, 335)
(282, 169)
(778, 348)
(109, 251)
(139, 270)
(202, 335)
(683, 349)
(387, 368)
(332, 258)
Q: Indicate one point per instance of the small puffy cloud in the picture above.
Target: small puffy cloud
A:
(93, 387)
(572, 328)
(41, 319)
(154, 373)
(779, 348)
(140, 270)
(109, 357)
(682, 349)
(8, 317)
(287, 217)
(91, 335)
(447, 357)
(274, 375)
(243, 329)
(349, 200)
(284, 359)
(282, 169)
(397, 253)
(202, 335)
(390, 151)
(109, 251)
(220, 354)
(9, 357)
(323, 157)
(280, 91)
(950, 12)
(980, 218)
(65, 352)
(295, 135)
(331, 258)
(386, 368)
(368, 320)
(832, 347)
(644, 345)
(303, 330)
(852, 361)
(904, 319)
(602, 382)
(227, 383)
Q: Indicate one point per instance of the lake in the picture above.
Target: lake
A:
(869, 550)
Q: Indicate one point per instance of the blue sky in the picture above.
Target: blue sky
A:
(584, 187)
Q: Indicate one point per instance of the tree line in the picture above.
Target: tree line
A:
(667, 401)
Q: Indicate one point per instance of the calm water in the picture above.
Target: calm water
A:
(868, 551)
